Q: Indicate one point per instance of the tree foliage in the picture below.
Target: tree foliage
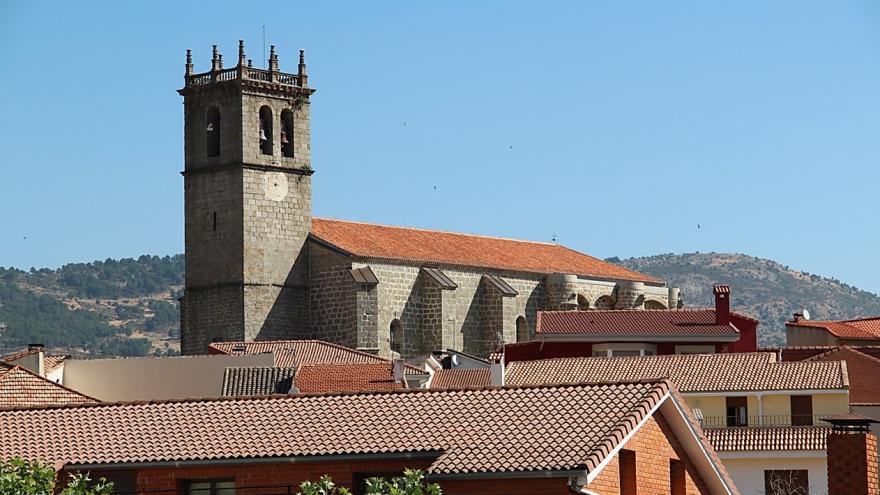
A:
(411, 483)
(18, 476)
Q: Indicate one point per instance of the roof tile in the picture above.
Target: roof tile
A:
(472, 431)
(419, 245)
(665, 322)
(768, 438)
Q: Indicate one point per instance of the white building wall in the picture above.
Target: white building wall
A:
(748, 472)
(153, 378)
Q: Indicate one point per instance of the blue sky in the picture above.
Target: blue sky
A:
(617, 126)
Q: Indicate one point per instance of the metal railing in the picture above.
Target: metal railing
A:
(766, 420)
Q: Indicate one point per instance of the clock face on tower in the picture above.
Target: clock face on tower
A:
(275, 186)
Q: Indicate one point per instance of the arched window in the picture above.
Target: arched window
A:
(522, 329)
(604, 302)
(266, 130)
(212, 132)
(396, 336)
(652, 304)
(583, 303)
(286, 133)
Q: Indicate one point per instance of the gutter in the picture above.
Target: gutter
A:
(568, 473)
(255, 460)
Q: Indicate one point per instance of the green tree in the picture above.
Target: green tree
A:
(18, 476)
(323, 487)
(411, 483)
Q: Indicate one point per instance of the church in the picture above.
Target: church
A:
(260, 267)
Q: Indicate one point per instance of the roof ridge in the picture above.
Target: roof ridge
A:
(341, 394)
(438, 231)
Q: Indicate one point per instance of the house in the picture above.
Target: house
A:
(604, 438)
(863, 367)
(754, 406)
(259, 266)
(21, 387)
(645, 332)
(801, 331)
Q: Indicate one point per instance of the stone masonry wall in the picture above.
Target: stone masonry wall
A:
(209, 314)
(333, 296)
(470, 316)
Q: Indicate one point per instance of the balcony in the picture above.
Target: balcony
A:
(774, 420)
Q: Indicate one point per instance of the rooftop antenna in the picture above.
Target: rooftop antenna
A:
(806, 314)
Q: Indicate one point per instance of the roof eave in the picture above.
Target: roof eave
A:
(578, 337)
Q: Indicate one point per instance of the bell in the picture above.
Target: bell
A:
(262, 135)
(211, 127)
(284, 138)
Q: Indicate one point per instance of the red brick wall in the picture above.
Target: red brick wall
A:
(653, 449)
(852, 464)
(255, 475)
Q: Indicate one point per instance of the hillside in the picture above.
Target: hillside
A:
(761, 288)
(105, 308)
(129, 307)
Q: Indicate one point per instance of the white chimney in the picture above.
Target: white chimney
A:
(496, 374)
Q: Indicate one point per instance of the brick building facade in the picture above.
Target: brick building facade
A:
(260, 267)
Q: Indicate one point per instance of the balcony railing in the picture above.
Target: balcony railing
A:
(772, 420)
(244, 73)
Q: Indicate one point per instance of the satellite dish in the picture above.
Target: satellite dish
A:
(806, 314)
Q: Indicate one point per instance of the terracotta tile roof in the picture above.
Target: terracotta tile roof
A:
(345, 377)
(292, 353)
(859, 329)
(409, 244)
(20, 387)
(864, 374)
(461, 378)
(635, 322)
(548, 428)
(691, 373)
(244, 381)
(761, 438)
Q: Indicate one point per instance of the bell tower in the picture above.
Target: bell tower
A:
(248, 202)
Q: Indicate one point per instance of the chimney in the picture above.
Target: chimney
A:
(852, 456)
(722, 304)
(35, 362)
(397, 371)
(496, 374)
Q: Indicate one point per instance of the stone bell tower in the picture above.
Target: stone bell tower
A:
(248, 202)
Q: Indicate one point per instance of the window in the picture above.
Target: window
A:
(604, 302)
(624, 349)
(396, 336)
(737, 411)
(212, 132)
(627, 472)
(209, 487)
(286, 133)
(677, 481)
(695, 349)
(786, 482)
(522, 329)
(801, 410)
(652, 304)
(266, 131)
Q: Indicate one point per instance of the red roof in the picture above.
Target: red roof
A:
(344, 377)
(20, 387)
(859, 329)
(408, 244)
(547, 428)
(461, 378)
(292, 353)
(636, 322)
